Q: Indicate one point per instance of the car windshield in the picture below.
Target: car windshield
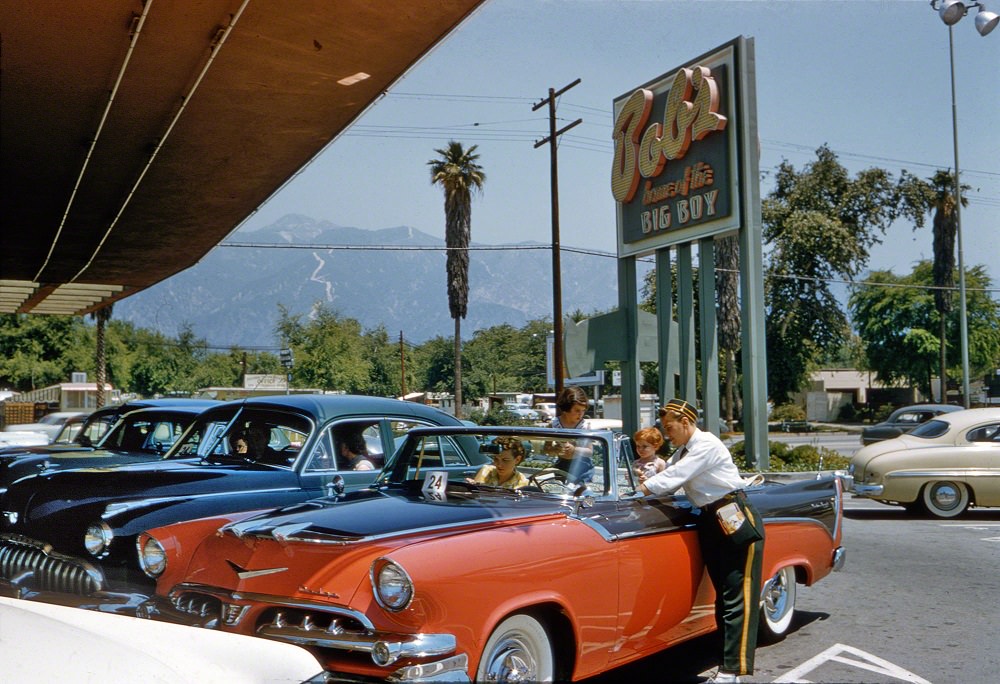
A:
(541, 460)
(932, 428)
(247, 434)
(146, 432)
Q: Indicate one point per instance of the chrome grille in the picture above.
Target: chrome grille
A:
(197, 604)
(314, 628)
(34, 565)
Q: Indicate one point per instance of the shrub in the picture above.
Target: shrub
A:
(849, 413)
(788, 412)
(498, 416)
(785, 459)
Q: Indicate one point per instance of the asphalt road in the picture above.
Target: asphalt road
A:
(916, 602)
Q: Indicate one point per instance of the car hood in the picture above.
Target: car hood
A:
(61, 490)
(391, 511)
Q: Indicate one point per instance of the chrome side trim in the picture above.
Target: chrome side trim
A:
(946, 474)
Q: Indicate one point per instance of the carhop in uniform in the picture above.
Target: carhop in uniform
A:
(730, 530)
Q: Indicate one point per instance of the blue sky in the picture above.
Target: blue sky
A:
(868, 78)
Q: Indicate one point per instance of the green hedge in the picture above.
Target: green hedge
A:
(785, 459)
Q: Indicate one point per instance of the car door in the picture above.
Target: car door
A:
(981, 463)
(664, 592)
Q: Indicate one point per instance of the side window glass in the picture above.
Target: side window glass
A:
(323, 456)
(625, 473)
(434, 452)
(986, 433)
(910, 418)
(400, 428)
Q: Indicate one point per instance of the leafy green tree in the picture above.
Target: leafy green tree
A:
(384, 364)
(329, 350)
(819, 225)
(33, 350)
(459, 174)
(504, 359)
(897, 321)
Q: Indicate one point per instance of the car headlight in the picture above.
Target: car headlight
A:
(393, 587)
(98, 538)
(152, 557)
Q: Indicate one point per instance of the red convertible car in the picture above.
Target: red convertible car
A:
(434, 575)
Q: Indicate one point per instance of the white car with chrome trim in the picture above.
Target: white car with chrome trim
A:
(942, 467)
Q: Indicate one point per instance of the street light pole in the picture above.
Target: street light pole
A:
(951, 12)
(963, 320)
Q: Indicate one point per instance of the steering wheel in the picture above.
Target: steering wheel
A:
(559, 480)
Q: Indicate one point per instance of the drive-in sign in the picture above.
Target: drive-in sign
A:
(675, 172)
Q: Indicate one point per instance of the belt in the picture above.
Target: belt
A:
(723, 500)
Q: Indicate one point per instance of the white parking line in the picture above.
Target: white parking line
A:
(978, 527)
(861, 659)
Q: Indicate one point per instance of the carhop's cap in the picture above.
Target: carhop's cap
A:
(681, 407)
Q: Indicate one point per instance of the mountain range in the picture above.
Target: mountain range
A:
(391, 277)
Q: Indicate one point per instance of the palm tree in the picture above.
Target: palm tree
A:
(458, 174)
(944, 228)
(727, 261)
(102, 315)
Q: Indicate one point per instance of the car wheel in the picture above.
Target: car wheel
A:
(777, 605)
(945, 499)
(519, 650)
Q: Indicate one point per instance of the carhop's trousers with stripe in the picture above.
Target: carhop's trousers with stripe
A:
(735, 573)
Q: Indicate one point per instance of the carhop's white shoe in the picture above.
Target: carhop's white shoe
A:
(725, 678)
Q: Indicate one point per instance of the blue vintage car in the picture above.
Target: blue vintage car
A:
(136, 431)
(74, 531)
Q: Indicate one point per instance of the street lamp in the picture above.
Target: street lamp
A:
(951, 12)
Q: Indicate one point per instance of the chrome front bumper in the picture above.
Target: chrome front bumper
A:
(867, 490)
(317, 626)
(850, 485)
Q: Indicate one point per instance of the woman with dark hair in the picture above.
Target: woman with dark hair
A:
(573, 458)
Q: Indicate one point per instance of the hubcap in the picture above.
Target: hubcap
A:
(776, 597)
(511, 661)
(945, 496)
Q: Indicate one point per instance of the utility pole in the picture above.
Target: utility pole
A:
(402, 366)
(557, 349)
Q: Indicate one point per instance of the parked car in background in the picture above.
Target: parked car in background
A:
(42, 642)
(22, 439)
(49, 425)
(428, 575)
(74, 531)
(82, 433)
(523, 412)
(903, 420)
(941, 467)
(546, 409)
(138, 436)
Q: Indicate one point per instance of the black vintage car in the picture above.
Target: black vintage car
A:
(141, 431)
(903, 420)
(74, 531)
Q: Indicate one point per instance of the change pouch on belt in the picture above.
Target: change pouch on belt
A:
(736, 524)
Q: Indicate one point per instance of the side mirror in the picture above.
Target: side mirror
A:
(335, 487)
